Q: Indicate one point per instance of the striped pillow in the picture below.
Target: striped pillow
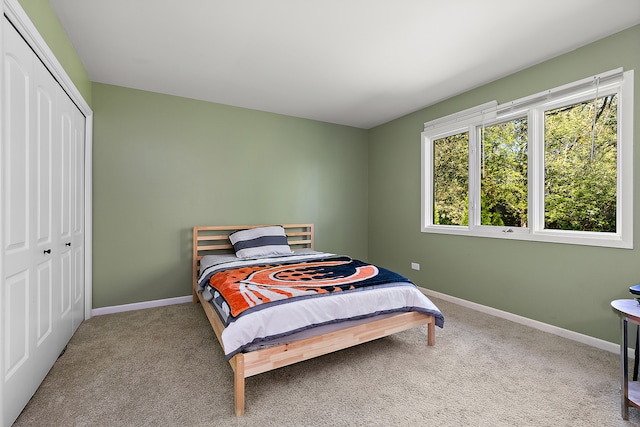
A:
(260, 241)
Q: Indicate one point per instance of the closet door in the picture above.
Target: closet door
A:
(76, 245)
(70, 232)
(42, 283)
(64, 258)
(27, 276)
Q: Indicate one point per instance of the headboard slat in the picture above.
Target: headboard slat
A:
(214, 239)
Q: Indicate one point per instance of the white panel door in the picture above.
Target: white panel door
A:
(47, 327)
(64, 268)
(20, 274)
(42, 283)
(71, 229)
(43, 179)
(77, 216)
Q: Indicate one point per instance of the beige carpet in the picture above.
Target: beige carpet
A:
(163, 367)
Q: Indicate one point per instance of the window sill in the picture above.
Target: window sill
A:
(609, 240)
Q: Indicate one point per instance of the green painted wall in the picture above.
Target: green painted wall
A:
(49, 27)
(564, 285)
(162, 164)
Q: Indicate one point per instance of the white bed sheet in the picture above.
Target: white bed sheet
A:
(293, 317)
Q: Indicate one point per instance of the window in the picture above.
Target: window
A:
(555, 166)
(503, 173)
(451, 179)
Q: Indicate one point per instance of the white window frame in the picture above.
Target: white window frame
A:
(470, 120)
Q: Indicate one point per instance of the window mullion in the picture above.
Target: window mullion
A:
(625, 160)
(474, 177)
(427, 181)
(536, 170)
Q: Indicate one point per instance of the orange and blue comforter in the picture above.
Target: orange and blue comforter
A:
(263, 300)
(254, 285)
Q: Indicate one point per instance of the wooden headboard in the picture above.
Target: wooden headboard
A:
(214, 239)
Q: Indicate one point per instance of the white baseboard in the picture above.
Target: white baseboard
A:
(140, 305)
(565, 333)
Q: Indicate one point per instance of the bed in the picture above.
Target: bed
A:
(222, 254)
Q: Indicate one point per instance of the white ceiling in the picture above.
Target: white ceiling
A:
(354, 62)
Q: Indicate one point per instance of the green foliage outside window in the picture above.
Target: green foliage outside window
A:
(503, 177)
(580, 166)
(580, 171)
(451, 180)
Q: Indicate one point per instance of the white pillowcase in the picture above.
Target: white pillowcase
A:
(260, 241)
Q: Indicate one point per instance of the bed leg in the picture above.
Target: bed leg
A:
(195, 297)
(431, 330)
(238, 384)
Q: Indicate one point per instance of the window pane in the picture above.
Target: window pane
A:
(451, 180)
(503, 174)
(580, 166)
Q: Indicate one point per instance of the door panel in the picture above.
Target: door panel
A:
(43, 180)
(47, 327)
(44, 308)
(17, 192)
(77, 217)
(17, 154)
(64, 167)
(65, 257)
(17, 310)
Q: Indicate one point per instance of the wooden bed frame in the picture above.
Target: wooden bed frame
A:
(215, 240)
